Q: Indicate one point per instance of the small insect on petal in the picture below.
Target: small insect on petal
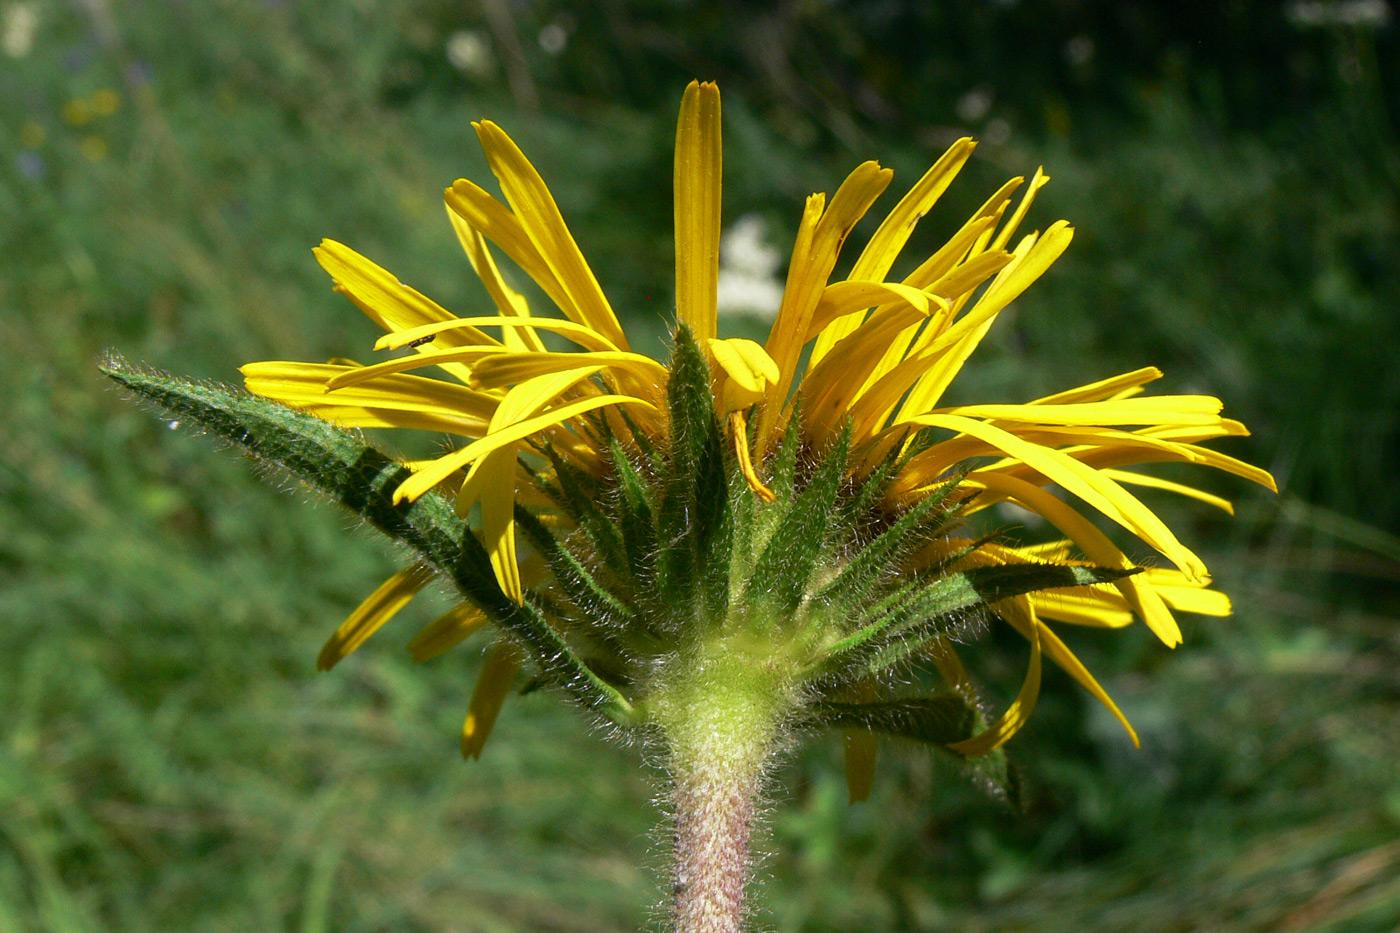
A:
(421, 341)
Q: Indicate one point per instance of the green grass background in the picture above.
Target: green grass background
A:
(169, 759)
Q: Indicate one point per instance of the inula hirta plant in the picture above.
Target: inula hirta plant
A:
(748, 543)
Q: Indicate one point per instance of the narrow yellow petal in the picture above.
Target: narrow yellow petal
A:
(1085, 482)
(507, 300)
(741, 450)
(814, 256)
(1104, 388)
(1063, 658)
(747, 372)
(511, 368)
(946, 355)
(1144, 410)
(1093, 542)
(392, 304)
(1153, 482)
(446, 632)
(492, 685)
(697, 206)
(1011, 721)
(585, 337)
(418, 360)
(840, 300)
(542, 222)
(1037, 182)
(390, 401)
(495, 222)
(438, 470)
(1093, 610)
(1113, 457)
(889, 239)
(379, 607)
(491, 481)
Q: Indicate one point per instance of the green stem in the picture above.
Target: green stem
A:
(714, 810)
(721, 721)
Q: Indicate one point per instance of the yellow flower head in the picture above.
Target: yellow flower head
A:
(537, 422)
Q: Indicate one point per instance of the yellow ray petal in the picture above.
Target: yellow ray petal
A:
(492, 686)
(814, 255)
(1113, 457)
(393, 401)
(379, 607)
(1094, 610)
(741, 451)
(1181, 489)
(841, 299)
(418, 360)
(889, 239)
(1180, 593)
(579, 334)
(491, 481)
(1011, 721)
(1104, 388)
(392, 304)
(540, 217)
(507, 300)
(1063, 658)
(495, 222)
(1095, 545)
(1144, 410)
(697, 203)
(747, 372)
(1085, 482)
(446, 632)
(510, 368)
(1038, 181)
(443, 467)
(946, 355)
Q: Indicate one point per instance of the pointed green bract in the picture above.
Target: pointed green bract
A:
(877, 557)
(694, 533)
(936, 720)
(900, 626)
(783, 571)
(339, 464)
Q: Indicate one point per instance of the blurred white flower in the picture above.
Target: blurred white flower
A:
(748, 271)
(470, 53)
(17, 27)
(1367, 13)
(974, 105)
(997, 132)
(553, 38)
(1079, 50)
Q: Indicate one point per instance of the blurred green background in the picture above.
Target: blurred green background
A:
(169, 759)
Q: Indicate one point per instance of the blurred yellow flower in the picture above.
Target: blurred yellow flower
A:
(93, 148)
(105, 102)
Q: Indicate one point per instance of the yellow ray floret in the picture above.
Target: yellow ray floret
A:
(370, 615)
(697, 196)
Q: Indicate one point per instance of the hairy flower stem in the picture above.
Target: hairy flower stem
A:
(721, 721)
(714, 806)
